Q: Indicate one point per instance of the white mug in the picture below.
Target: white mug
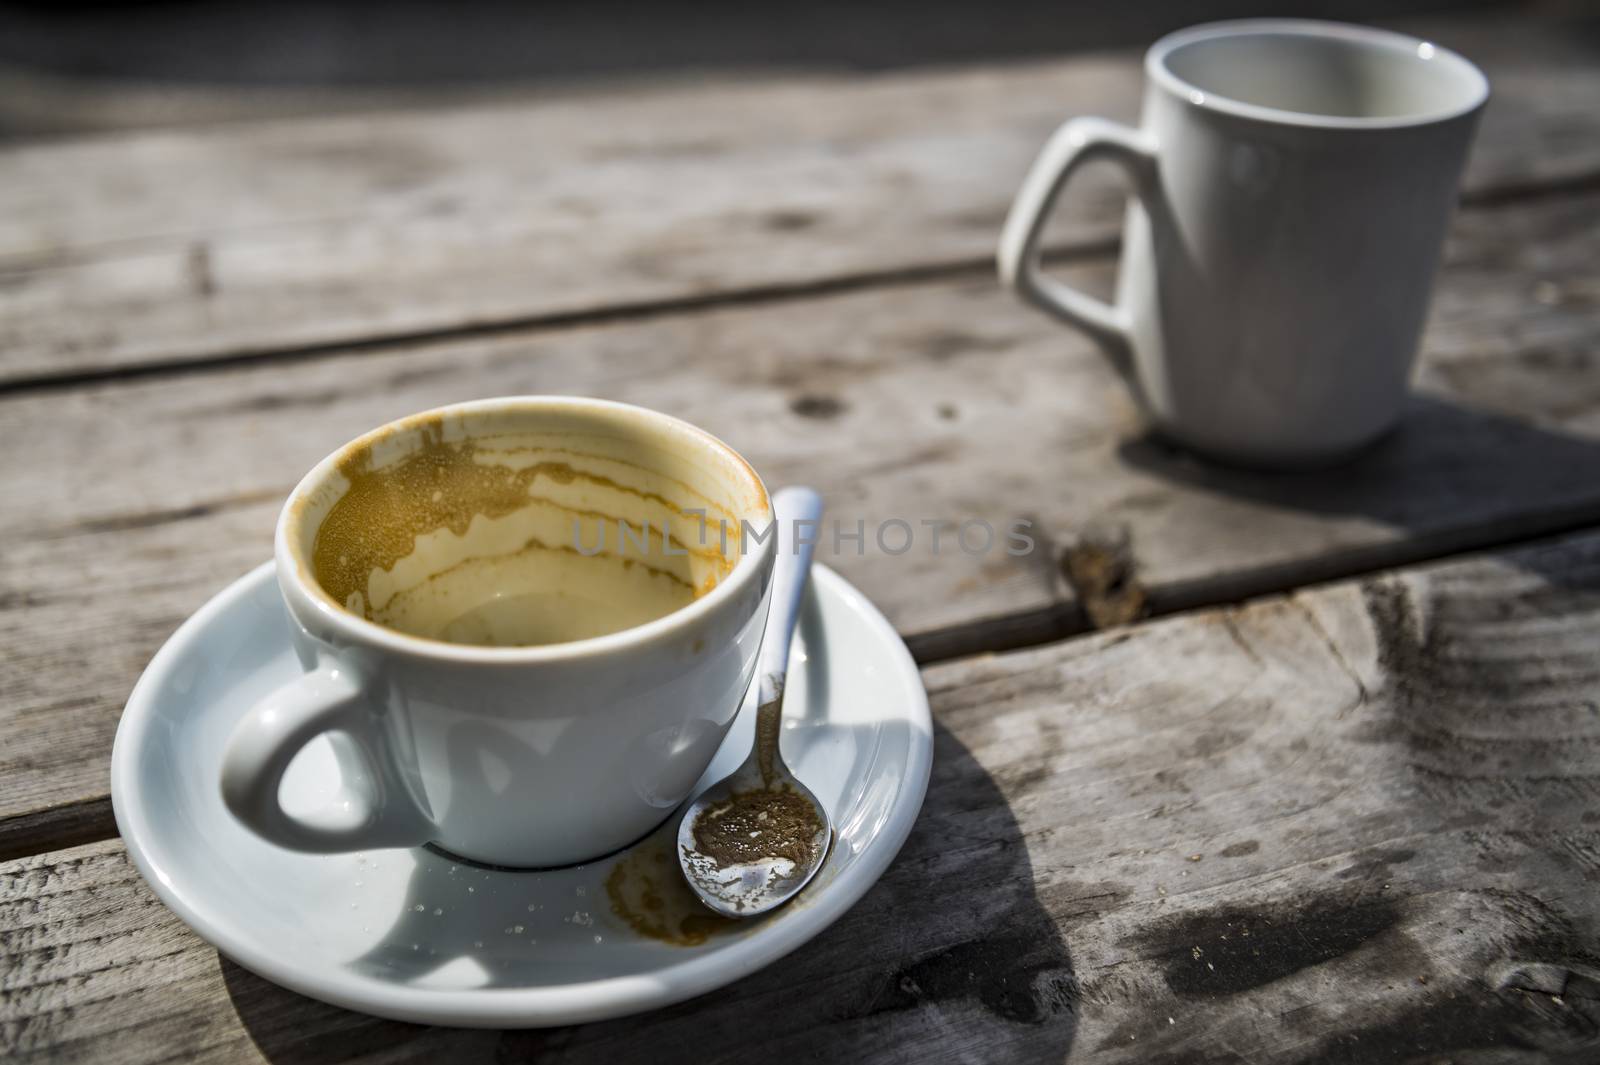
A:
(1292, 182)
(517, 627)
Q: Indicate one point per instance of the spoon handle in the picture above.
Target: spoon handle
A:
(798, 513)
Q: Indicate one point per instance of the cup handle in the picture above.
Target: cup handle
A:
(1077, 141)
(379, 814)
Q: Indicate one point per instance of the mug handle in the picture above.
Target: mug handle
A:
(263, 744)
(1077, 141)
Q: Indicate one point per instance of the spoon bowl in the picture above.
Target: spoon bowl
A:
(757, 879)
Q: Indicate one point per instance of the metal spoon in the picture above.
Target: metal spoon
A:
(752, 840)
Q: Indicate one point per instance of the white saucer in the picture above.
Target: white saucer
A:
(416, 936)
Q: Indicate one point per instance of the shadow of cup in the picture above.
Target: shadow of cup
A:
(953, 938)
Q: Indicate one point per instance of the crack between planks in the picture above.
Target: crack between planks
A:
(125, 522)
(1518, 192)
(1490, 197)
(1063, 620)
(70, 824)
(91, 820)
(908, 276)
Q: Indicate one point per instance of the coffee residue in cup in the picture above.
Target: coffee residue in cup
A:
(442, 485)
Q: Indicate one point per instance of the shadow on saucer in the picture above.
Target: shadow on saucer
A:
(952, 943)
(1454, 478)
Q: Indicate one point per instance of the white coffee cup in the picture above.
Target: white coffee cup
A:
(1292, 183)
(482, 523)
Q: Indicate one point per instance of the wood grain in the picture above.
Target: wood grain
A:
(130, 503)
(237, 240)
(1355, 824)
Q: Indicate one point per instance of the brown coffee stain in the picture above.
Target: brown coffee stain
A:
(765, 823)
(648, 893)
(535, 544)
(1102, 571)
(639, 493)
(769, 719)
(441, 485)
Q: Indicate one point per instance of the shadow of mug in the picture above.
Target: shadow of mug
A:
(1450, 477)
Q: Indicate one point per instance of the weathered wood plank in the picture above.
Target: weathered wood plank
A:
(128, 504)
(1356, 824)
(234, 240)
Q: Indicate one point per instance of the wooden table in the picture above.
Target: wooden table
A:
(1233, 768)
